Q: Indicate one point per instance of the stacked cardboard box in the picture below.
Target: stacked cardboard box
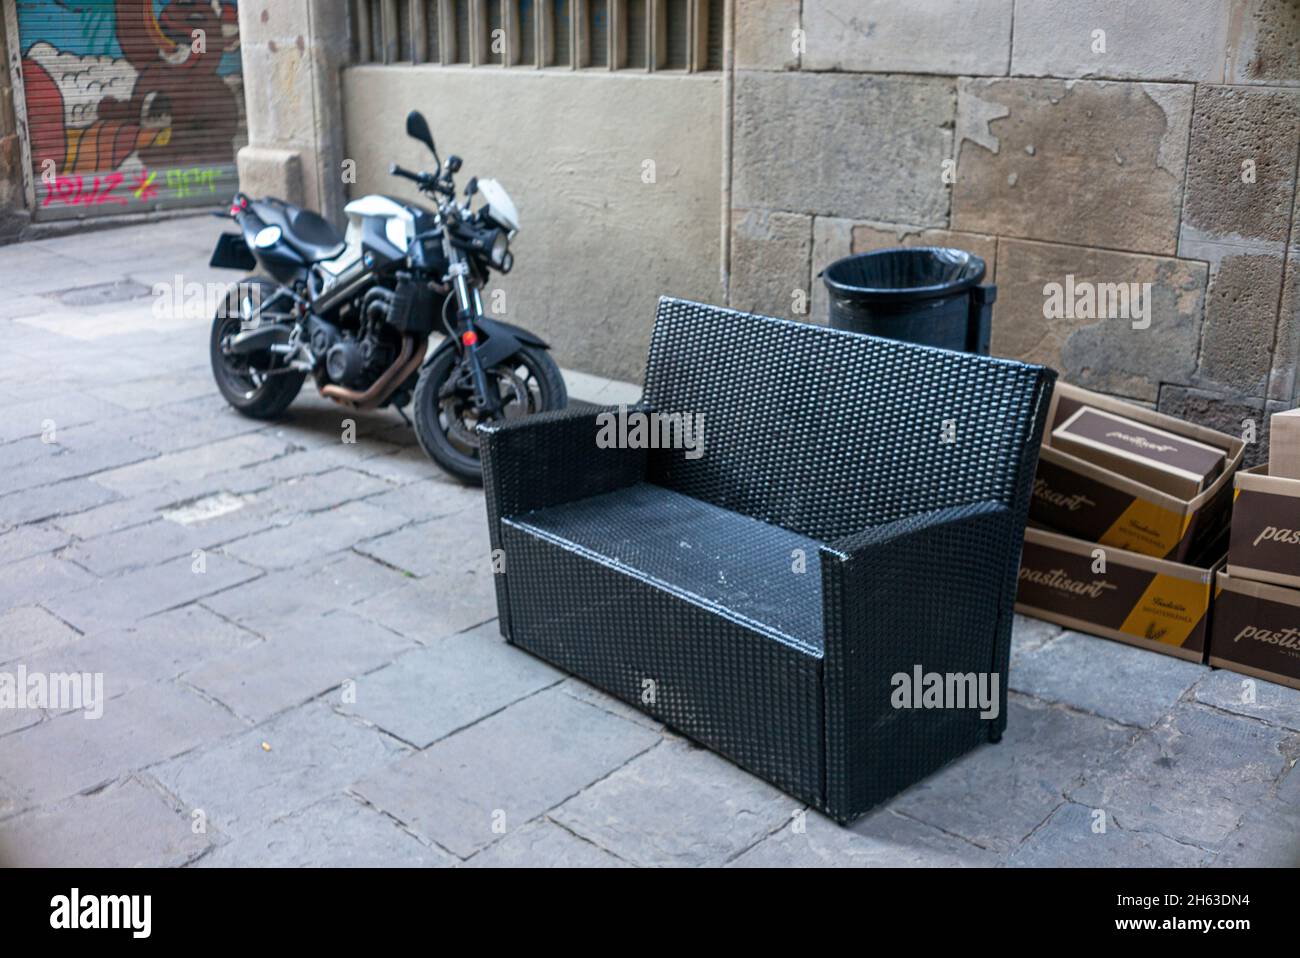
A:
(1127, 523)
(1257, 606)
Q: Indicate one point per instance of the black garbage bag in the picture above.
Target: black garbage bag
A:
(926, 294)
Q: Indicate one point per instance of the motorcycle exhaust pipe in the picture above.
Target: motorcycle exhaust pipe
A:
(407, 362)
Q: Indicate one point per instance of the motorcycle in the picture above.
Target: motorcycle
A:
(357, 311)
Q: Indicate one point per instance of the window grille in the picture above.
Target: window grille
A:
(637, 35)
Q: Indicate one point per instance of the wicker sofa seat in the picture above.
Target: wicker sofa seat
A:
(856, 512)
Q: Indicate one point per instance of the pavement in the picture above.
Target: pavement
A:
(301, 663)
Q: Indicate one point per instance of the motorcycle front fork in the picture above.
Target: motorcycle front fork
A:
(486, 398)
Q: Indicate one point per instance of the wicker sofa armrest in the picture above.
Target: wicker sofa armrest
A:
(932, 590)
(545, 460)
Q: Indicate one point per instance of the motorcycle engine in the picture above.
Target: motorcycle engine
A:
(356, 363)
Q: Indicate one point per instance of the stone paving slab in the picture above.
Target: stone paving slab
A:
(995, 796)
(152, 392)
(24, 542)
(44, 575)
(428, 499)
(449, 545)
(310, 657)
(544, 844)
(33, 418)
(79, 451)
(1244, 695)
(1088, 838)
(177, 527)
(717, 811)
(1193, 778)
(29, 629)
(1028, 634)
(430, 693)
(311, 753)
(153, 650)
(402, 466)
(145, 831)
(17, 719)
(881, 839)
(1266, 838)
(193, 463)
(1120, 682)
(336, 832)
(467, 791)
(444, 604)
(318, 534)
(137, 595)
(71, 753)
(583, 692)
(270, 603)
(136, 547)
(56, 499)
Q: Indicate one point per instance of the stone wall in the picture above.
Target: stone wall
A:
(1110, 141)
(293, 52)
(13, 215)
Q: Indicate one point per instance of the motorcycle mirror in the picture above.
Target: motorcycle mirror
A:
(417, 128)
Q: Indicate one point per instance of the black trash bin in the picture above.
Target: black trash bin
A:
(925, 294)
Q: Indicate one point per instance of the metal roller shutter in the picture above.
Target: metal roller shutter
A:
(131, 105)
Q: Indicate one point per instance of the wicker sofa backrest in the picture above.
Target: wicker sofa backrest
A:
(825, 432)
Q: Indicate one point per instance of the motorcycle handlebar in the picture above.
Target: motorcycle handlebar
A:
(429, 182)
(419, 178)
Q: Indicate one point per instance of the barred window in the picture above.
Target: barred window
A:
(459, 14)
(597, 21)
(644, 35)
(636, 29)
(562, 36)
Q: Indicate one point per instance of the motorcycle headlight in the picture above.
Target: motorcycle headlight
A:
(500, 248)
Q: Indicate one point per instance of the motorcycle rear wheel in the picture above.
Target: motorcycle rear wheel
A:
(242, 379)
(445, 420)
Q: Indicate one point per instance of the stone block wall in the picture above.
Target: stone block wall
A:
(13, 215)
(293, 51)
(1102, 140)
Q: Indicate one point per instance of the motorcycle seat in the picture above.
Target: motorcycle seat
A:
(313, 236)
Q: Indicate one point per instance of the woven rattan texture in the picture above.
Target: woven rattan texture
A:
(825, 432)
(756, 700)
(544, 460)
(754, 572)
(922, 591)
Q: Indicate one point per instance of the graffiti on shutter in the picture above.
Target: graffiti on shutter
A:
(132, 105)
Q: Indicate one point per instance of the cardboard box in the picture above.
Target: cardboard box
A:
(1151, 603)
(1090, 502)
(1265, 541)
(1155, 457)
(1284, 444)
(1257, 630)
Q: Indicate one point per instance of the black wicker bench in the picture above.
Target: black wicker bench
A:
(857, 511)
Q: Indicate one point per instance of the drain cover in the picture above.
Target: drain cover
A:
(118, 291)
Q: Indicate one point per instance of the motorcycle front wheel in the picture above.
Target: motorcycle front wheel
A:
(248, 382)
(446, 420)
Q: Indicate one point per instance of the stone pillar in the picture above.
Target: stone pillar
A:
(13, 216)
(293, 51)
